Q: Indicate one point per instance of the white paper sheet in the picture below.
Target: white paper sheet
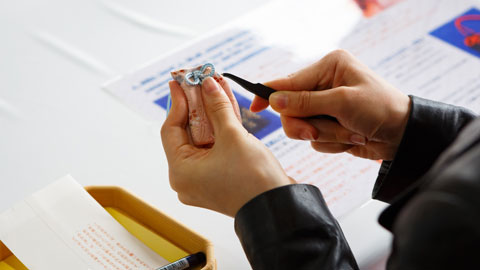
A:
(417, 47)
(63, 227)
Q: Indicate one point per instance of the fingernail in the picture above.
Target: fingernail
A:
(278, 100)
(307, 136)
(358, 139)
(210, 86)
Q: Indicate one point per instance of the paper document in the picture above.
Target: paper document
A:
(62, 227)
(345, 181)
(420, 47)
(427, 48)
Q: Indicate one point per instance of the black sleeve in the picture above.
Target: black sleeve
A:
(290, 227)
(439, 228)
(431, 128)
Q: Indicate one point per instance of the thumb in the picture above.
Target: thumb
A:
(218, 107)
(318, 76)
(308, 103)
(303, 80)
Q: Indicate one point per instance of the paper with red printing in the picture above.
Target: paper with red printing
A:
(63, 223)
(201, 130)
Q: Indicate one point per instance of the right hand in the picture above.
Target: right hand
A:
(371, 113)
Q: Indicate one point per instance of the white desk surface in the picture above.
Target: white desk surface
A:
(55, 119)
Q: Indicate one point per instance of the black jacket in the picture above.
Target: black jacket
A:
(433, 186)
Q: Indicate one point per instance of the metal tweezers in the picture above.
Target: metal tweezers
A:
(265, 92)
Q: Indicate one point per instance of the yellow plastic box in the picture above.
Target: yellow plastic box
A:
(161, 233)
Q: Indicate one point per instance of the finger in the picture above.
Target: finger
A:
(298, 129)
(333, 132)
(330, 148)
(304, 79)
(310, 103)
(173, 131)
(218, 107)
(326, 131)
(258, 104)
(226, 87)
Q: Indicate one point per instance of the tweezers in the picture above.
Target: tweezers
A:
(265, 92)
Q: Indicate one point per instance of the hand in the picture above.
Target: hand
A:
(371, 113)
(234, 170)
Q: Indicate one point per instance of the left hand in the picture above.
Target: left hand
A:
(233, 171)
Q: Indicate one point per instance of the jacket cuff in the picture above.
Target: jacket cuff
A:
(286, 226)
(432, 126)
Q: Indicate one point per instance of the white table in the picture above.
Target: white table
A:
(55, 119)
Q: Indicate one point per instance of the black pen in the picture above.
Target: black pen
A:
(185, 263)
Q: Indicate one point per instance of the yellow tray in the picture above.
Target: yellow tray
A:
(161, 233)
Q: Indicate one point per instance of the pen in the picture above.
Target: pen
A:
(185, 263)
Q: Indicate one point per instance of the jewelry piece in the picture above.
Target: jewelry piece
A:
(197, 76)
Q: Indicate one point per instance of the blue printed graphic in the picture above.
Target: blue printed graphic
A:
(462, 32)
(259, 124)
(162, 102)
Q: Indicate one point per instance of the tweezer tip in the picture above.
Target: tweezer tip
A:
(236, 79)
